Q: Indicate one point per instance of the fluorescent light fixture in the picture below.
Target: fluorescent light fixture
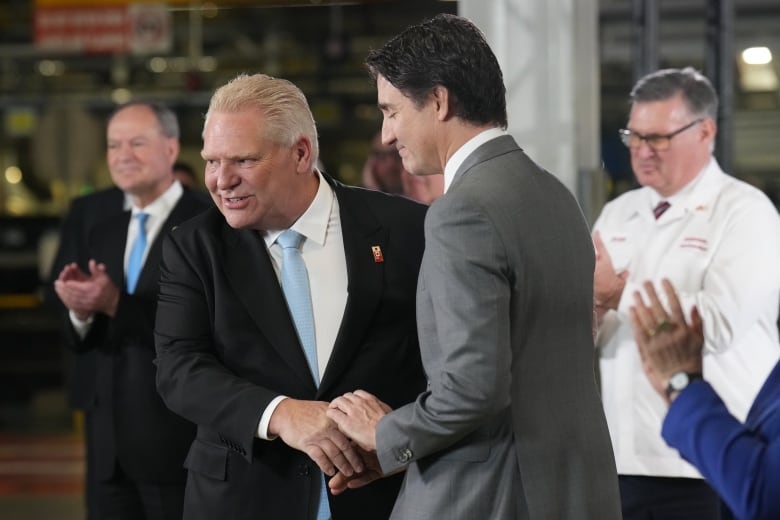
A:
(757, 55)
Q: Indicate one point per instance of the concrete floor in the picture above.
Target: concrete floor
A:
(41, 508)
(41, 460)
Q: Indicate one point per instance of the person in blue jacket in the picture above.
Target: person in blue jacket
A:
(741, 461)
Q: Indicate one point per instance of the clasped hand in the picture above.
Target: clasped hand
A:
(339, 436)
(87, 293)
(357, 415)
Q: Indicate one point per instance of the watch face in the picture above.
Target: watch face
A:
(679, 381)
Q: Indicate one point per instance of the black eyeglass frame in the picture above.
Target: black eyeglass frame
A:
(662, 141)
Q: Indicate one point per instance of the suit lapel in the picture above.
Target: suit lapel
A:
(251, 274)
(107, 244)
(150, 273)
(361, 232)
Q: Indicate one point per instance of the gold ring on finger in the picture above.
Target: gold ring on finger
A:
(663, 326)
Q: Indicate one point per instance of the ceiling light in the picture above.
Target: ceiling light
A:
(158, 64)
(757, 55)
(13, 175)
(120, 96)
(51, 67)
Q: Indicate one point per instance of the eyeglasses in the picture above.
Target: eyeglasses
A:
(658, 142)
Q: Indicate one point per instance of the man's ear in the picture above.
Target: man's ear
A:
(440, 97)
(302, 153)
(708, 129)
(174, 147)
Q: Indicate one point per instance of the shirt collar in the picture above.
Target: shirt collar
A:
(460, 155)
(693, 196)
(162, 205)
(313, 224)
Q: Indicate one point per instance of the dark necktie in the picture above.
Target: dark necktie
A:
(660, 208)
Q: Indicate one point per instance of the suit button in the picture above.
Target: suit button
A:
(405, 455)
(303, 470)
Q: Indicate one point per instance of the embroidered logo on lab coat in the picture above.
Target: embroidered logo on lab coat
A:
(695, 243)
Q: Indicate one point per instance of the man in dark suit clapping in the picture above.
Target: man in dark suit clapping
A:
(138, 444)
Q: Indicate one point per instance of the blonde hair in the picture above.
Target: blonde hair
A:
(287, 113)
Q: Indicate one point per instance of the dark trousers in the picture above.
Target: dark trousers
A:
(663, 498)
(124, 499)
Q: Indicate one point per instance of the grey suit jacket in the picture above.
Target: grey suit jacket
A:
(511, 425)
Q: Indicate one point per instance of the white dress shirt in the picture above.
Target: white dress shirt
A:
(158, 212)
(719, 245)
(326, 263)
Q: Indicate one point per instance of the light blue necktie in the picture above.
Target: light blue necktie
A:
(295, 285)
(136, 261)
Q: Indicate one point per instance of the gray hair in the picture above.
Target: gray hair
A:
(169, 124)
(697, 92)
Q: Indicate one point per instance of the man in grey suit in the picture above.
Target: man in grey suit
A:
(510, 425)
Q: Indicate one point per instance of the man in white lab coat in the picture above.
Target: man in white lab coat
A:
(718, 240)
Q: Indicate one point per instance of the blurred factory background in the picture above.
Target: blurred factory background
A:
(64, 64)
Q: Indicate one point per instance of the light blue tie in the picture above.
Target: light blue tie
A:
(295, 285)
(136, 261)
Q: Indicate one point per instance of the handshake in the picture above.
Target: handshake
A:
(340, 437)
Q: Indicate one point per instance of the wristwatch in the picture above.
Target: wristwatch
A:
(679, 381)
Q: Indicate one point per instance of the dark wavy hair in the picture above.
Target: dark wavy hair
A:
(448, 51)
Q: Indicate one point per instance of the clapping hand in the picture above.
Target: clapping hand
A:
(667, 343)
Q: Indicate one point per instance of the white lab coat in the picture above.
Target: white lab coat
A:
(719, 244)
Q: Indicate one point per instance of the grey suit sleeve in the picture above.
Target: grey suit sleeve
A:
(463, 319)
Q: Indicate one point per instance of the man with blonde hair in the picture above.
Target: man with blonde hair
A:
(292, 290)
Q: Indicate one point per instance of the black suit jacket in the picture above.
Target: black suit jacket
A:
(226, 346)
(132, 424)
(84, 213)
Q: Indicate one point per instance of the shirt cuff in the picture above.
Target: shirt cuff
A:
(265, 420)
(81, 326)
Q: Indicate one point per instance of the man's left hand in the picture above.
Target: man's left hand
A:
(87, 293)
(357, 415)
(667, 343)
